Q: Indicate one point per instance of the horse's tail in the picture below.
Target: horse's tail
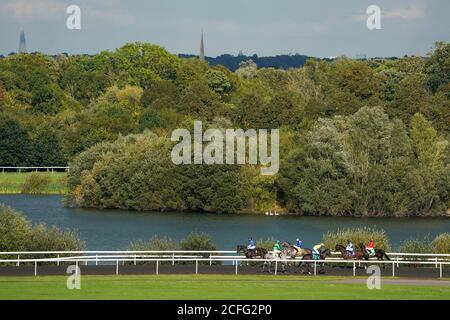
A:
(386, 256)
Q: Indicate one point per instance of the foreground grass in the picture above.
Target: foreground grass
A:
(180, 287)
(12, 182)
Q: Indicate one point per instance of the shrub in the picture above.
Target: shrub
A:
(441, 244)
(266, 243)
(416, 246)
(198, 241)
(157, 243)
(35, 183)
(357, 236)
(14, 230)
(17, 234)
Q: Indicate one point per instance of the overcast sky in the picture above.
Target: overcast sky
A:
(267, 27)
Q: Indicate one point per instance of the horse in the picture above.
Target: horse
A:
(275, 256)
(380, 254)
(295, 252)
(250, 254)
(359, 255)
(323, 255)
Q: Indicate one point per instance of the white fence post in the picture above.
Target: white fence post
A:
(440, 270)
(57, 262)
(196, 266)
(157, 267)
(235, 262)
(173, 259)
(315, 268)
(117, 267)
(96, 259)
(393, 269)
(134, 259)
(276, 267)
(18, 260)
(35, 268)
(354, 269)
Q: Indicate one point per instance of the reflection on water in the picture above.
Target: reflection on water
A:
(114, 229)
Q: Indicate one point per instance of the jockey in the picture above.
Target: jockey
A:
(350, 250)
(251, 245)
(371, 248)
(277, 247)
(298, 244)
(318, 247)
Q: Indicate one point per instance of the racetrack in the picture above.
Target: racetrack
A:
(403, 271)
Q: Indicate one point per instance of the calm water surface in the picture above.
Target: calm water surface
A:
(114, 229)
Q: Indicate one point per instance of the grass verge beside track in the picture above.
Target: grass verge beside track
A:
(12, 182)
(181, 287)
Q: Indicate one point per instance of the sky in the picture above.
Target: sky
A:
(321, 28)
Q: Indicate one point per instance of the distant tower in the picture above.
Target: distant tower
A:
(22, 43)
(202, 49)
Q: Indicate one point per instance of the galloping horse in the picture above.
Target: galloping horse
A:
(380, 254)
(359, 255)
(257, 253)
(323, 255)
(295, 252)
(275, 256)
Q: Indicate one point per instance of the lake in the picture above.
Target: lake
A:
(114, 229)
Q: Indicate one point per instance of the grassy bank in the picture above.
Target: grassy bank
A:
(13, 182)
(182, 287)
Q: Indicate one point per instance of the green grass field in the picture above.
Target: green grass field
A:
(180, 287)
(12, 182)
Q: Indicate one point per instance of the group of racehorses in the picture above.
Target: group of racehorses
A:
(292, 252)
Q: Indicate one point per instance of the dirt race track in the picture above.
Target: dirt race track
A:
(429, 272)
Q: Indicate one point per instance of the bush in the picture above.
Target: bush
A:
(17, 234)
(157, 243)
(416, 246)
(357, 236)
(441, 244)
(198, 241)
(35, 183)
(266, 243)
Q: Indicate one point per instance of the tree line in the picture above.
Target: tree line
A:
(357, 137)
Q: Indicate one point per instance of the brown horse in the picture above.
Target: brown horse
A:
(323, 255)
(359, 254)
(295, 252)
(380, 254)
(250, 254)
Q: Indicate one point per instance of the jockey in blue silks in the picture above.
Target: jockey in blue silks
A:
(298, 244)
(350, 250)
(251, 245)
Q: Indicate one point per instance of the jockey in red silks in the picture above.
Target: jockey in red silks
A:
(371, 248)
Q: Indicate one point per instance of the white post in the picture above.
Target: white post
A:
(436, 262)
(196, 266)
(18, 260)
(393, 269)
(315, 268)
(157, 267)
(276, 267)
(117, 267)
(210, 261)
(134, 259)
(235, 262)
(173, 259)
(35, 268)
(57, 262)
(96, 259)
(440, 270)
(397, 262)
(354, 269)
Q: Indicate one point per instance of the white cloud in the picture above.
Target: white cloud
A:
(26, 11)
(36, 10)
(411, 12)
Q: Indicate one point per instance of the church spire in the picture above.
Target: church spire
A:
(202, 49)
(22, 42)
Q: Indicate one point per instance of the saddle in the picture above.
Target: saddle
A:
(315, 256)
